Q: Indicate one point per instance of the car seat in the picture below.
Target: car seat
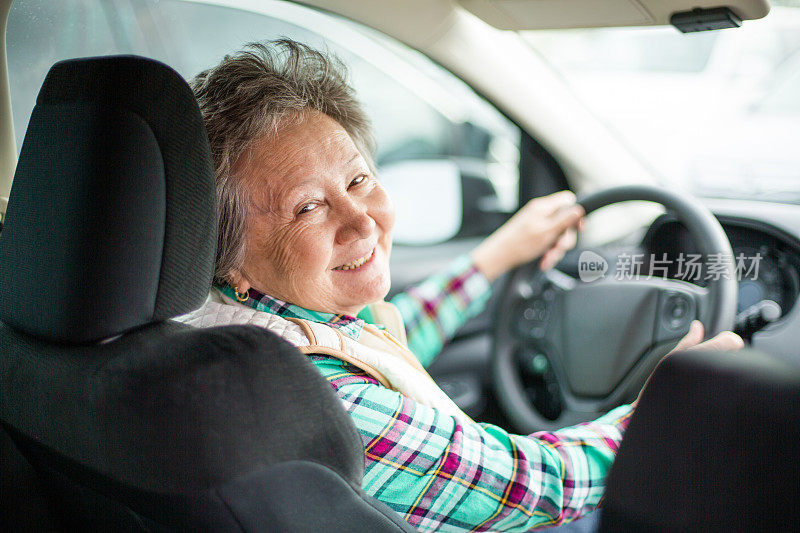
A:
(130, 420)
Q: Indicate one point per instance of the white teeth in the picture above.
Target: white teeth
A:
(357, 263)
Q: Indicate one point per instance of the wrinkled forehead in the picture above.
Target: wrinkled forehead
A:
(302, 154)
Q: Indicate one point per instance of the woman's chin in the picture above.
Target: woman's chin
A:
(366, 284)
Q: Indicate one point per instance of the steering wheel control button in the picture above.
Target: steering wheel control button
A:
(533, 318)
(525, 290)
(676, 312)
(540, 364)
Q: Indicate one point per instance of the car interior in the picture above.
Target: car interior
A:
(116, 417)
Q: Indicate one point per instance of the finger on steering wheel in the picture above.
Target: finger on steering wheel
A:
(565, 242)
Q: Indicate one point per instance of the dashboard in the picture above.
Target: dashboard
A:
(775, 225)
(767, 259)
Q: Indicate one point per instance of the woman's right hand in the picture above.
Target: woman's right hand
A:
(544, 227)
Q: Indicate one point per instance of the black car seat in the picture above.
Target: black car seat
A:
(714, 445)
(130, 420)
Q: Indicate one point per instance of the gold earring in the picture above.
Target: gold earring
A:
(241, 296)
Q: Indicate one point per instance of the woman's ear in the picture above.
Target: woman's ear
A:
(239, 282)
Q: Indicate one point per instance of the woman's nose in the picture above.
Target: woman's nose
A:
(355, 223)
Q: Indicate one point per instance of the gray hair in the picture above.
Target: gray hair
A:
(254, 92)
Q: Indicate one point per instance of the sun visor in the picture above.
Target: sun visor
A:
(556, 14)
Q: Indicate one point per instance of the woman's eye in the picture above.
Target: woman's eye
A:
(306, 208)
(359, 180)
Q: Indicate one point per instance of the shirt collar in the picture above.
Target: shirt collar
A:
(349, 325)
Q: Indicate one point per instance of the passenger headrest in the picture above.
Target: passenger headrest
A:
(111, 222)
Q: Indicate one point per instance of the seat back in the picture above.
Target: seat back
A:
(714, 445)
(22, 505)
(129, 419)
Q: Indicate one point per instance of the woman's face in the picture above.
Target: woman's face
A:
(319, 227)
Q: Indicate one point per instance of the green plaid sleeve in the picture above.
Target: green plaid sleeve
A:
(435, 309)
(439, 474)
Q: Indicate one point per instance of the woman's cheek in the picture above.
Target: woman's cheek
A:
(296, 250)
(275, 250)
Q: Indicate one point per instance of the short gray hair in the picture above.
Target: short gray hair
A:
(254, 92)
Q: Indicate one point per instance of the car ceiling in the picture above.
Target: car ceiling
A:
(557, 14)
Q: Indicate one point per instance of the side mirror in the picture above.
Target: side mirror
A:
(428, 199)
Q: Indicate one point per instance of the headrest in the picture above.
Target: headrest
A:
(714, 445)
(111, 222)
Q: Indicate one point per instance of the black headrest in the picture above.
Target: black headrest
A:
(714, 445)
(111, 219)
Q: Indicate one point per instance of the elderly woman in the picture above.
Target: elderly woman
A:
(305, 233)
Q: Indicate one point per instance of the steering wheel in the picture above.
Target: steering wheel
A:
(566, 350)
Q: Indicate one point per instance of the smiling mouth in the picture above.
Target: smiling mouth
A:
(352, 265)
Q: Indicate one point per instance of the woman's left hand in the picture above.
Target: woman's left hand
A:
(693, 341)
(545, 227)
(727, 341)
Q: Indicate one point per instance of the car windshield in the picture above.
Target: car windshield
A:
(716, 113)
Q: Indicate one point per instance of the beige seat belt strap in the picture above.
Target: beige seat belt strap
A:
(340, 354)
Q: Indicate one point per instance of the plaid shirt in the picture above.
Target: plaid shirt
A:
(440, 474)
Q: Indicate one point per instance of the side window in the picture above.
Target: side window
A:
(449, 159)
